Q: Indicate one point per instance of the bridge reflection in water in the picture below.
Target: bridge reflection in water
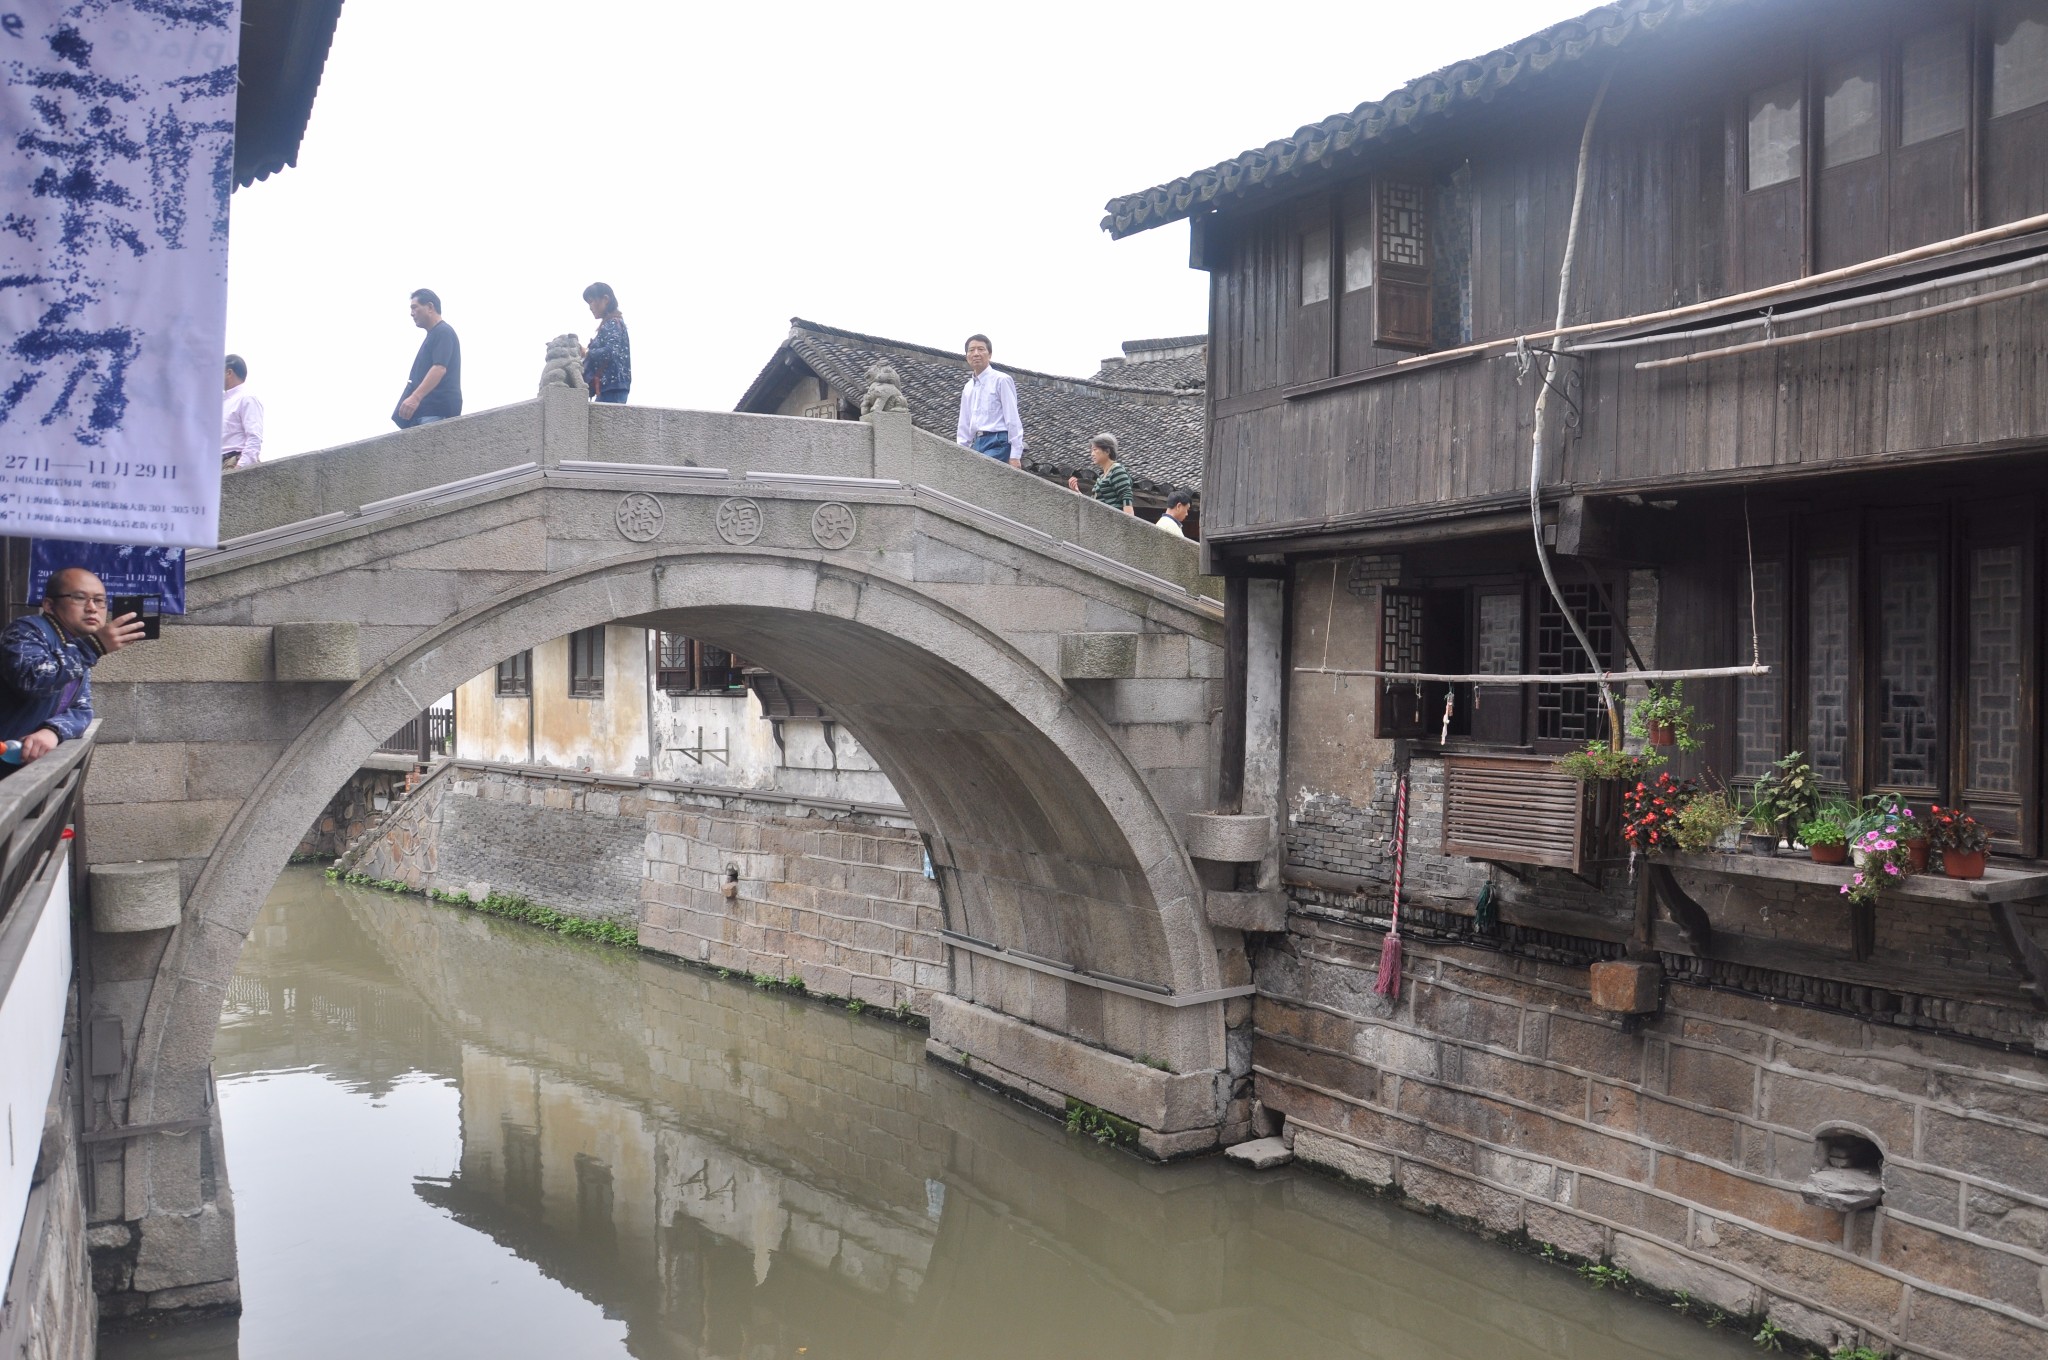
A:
(658, 1163)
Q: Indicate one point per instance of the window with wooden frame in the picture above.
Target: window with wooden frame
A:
(1404, 311)
(515, 676)
(1908, 659)
(687, 665)
(586, 664)
(1504, 625)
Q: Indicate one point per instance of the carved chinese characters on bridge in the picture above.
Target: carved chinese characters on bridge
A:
(739, 521)
(833, 525)
(639, 517)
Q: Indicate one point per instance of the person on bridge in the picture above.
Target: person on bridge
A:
(608, 358)
(46, 661)
(1178, 506)
(241, 419)
(434, 391)
(1112, 481)
(989, 422)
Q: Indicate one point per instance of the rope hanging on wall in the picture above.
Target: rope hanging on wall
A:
(1388, 983)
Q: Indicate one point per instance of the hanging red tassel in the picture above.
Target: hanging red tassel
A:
(1388, 984)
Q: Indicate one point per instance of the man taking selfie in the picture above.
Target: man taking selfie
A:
(46, 661)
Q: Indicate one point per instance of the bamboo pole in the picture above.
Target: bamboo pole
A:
(1569, 678)
(1877, 323)
(1988, 236)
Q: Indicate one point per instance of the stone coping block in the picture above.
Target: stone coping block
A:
(1166, 1102)
(316, 651)
(140, 895)
(1261, 1153)
(1098, 656)
(1265, 911)
(1229, 838)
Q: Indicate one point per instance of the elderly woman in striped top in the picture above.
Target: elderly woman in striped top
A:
(1112, 482)
(608, 359)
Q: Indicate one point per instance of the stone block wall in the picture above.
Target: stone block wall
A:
(1492, 1091)
(352, 812)
(842, 901)
(49, 1310)
(833, 894)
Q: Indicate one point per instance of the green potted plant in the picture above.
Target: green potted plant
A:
(1664, 718)
(1600, 761)
(1881, 861)
(1825, 838)
(1704, 820)
(1961, 839)
(1784, 796)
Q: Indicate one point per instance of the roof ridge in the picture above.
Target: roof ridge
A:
(798, 326)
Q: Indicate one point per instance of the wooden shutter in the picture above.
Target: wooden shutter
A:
(1404, 312)
(1497, 711)
(1403, 647)
(1514, 810)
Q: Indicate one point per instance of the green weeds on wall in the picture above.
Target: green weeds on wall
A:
(511, 908)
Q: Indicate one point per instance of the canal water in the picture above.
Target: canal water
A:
(455, 1136)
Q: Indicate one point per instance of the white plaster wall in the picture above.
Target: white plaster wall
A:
(487, 727)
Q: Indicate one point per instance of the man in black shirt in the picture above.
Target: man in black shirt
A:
(434, 391)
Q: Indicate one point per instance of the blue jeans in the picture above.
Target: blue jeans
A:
(418, 421)
(614, 395)
(994, 443)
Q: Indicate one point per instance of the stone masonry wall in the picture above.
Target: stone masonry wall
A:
(842, 901)
(351, 813)
(832, 893)
(1494, 1092)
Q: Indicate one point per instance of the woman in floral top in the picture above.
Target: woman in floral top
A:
(608, 362)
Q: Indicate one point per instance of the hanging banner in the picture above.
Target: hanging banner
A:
(117, 144)
(127, 569)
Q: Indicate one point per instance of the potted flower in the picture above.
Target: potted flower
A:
(1882, 859)
(1961, 839)
(1600, 761)
(1825, 838)
(1665, 718)
(1650, 810)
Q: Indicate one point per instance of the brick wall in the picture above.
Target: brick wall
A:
(1493, 1091)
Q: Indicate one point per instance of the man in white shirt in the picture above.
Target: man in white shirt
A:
(989, 422)
(1178, 507)
(241, 419)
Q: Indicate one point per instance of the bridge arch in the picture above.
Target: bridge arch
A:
(1046, 837)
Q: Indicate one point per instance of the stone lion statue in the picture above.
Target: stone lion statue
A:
(885, 390)
(565, 363)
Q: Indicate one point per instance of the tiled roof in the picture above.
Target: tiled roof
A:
(1343, 136)
(1180, 362)
(1159, 430)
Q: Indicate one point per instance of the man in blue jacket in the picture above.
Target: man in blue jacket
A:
(46, 661)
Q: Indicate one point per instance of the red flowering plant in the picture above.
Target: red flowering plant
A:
(1954, 829)
(1650, 808)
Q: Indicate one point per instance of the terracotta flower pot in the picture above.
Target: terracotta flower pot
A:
(1663, 734)
(1963, 863)
(1828, 854)
(1916, 855)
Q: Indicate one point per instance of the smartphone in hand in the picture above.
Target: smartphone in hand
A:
(146, 607)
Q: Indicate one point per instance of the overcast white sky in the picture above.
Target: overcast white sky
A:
(912, 170)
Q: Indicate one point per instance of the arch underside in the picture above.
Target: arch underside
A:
(1047, 837)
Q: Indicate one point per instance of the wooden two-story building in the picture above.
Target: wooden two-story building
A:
(1798, 415)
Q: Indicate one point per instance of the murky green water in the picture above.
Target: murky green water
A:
(455, 1137)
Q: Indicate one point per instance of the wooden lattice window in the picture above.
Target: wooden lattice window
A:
(1572, 714)
(515, 676)
(1404, 312)
(586, 664)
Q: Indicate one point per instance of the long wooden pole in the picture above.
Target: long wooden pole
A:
(1876, 323)
(1568, 678)
(1988, 236)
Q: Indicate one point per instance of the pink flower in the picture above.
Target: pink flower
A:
(1891, 868)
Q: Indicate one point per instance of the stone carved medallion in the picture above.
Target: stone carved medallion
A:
(739, 521)
(639, 517)
(833, 525)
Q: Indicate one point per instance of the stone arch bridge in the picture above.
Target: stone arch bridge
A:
(1037, 675)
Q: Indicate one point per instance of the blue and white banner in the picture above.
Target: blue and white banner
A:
(117, 147)
(127, 568)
